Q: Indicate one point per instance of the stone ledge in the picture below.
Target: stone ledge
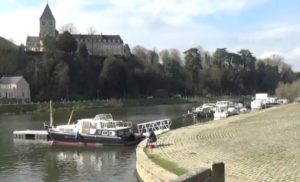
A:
(149, 171)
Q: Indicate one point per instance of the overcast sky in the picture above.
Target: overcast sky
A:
(263, 26)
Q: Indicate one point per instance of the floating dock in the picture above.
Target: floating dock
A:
(32, 135)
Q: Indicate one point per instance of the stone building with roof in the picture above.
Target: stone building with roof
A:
(14, 89)
(97, 44)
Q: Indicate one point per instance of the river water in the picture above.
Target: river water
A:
(32, 161)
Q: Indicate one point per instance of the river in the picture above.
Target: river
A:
(32, 161)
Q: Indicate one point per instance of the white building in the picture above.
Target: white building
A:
(14, 88)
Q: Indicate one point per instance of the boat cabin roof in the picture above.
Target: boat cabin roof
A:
(104, 116)
(106, 121)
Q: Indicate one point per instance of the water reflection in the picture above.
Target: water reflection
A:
(40, 161)
(99, 164)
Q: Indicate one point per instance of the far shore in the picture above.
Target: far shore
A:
(128, 102)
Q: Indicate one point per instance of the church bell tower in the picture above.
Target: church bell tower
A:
(47, 23)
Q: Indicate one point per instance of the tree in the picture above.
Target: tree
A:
(290, 91)
(66, 42)
(127, 51)
(193, 64)
(267, 77)
(91, 32)
(113, 77)
(152, 57)
(83, 52)
(61, 76)
(248, 59)
(49, 44)
(141, 53)
(220, 58)
(285, 70)
(69, 27)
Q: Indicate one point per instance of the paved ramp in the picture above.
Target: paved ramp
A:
(259, 146)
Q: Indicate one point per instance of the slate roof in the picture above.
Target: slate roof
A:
(47, 14)
(111, 37)
(10, 79)
(100, 37)
(33, 39)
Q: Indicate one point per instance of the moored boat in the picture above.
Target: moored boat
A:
(97, 131)
(221, 113)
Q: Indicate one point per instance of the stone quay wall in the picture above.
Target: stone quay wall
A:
(257, 146)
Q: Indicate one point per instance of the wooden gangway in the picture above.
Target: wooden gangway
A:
(32, 135)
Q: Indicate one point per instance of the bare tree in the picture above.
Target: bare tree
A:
(140, 52)
(69, 27)
(91, 32)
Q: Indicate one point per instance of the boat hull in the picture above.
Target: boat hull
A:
(75, 139)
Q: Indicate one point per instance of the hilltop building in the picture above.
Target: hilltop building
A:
(97, 44)
(14, 89)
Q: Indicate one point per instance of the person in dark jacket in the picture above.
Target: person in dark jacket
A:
(152, 137)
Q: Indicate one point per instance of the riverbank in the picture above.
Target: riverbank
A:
(89, 104)
(258, 146)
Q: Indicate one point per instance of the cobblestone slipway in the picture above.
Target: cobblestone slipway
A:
(258, 146)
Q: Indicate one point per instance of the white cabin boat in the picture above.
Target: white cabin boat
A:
(100, 130)
(221, 113)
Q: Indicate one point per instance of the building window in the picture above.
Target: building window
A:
(50, 23)
(43, 23)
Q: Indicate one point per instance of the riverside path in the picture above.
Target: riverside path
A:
(258, 146)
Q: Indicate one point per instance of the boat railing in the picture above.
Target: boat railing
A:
(115, 124)
(67, 128)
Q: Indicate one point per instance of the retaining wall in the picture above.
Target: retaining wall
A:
(148, 171)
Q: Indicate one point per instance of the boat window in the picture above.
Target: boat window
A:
(86, 127)
(111, 133)
(127, 132)
(93, 125)
(104, 132)
(98, 132)
(121, 133)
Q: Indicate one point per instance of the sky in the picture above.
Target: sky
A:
(265, 27)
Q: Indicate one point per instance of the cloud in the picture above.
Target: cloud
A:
(116, 16)
(271, 32)
(18, 24)
(268, 54)
(293, 58)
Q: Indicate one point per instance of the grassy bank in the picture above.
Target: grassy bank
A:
(89, 104)
(168, 165)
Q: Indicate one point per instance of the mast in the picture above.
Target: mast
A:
(51, 116)
(70, 118)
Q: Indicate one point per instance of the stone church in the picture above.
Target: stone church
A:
(97, 44)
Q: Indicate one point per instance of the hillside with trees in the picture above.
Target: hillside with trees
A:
(67, 71)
